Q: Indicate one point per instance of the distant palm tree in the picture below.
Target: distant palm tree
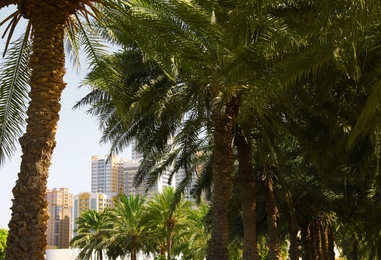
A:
(163, 223)
(193, 238)
(128, 231)
(93, 234)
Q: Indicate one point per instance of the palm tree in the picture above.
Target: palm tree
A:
(162, 222)
(222, 156)
(193, 238)
(195, 44)
(93, 234)
(128, 230)
(43, 68)
(247, 188)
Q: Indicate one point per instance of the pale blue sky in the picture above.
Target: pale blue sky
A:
(77, 140)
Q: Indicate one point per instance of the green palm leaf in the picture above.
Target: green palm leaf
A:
(14, 90)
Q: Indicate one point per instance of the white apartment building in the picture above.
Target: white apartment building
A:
(107, 174)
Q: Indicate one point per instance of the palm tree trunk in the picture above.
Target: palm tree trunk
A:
(27, 239)
(162, 250)
(331, 245)
(306, 242)
(100, 254)
(294, 247)
(325, 241)
(170, 225)
(133, 253)
(247, 186)
(133, 249)
(318, 239)
(272, 217)
(222, 182)
(313, 233)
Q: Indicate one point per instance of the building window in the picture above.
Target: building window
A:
(56, 227)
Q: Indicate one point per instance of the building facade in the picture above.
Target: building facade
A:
(60, 223)
(180, 176)
(90, 201)
(107, 175)
(135, 154)
(130, 172)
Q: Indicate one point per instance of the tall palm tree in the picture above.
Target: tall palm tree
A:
(128, 229)
(42, 67)
(168, 22)
(93, 234)
(247, 183)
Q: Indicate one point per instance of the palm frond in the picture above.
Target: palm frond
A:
(368, 115)
(72, 42)
(14, 96)
(7, 2)
(204, 181)
(13, 19)
(92, 44)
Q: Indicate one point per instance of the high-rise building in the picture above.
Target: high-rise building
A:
(131, 168)
(116, 175)
(130, 171)
(135, 155)
(107, 174)
(90, 201)
(60, 208)
(180, 175)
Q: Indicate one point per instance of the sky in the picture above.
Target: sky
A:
(77, 139)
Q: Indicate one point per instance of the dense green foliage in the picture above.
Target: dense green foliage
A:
(148, 226)
(307, 96)
(3, 241)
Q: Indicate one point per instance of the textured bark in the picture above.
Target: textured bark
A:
(331, 245)
(272, 218)
(293, 250)
(222, 182)
(306, 242)
(133, 254)
(319, 247)
(247, 185)
(27, 239)
(325, 242)
(317, 238)
(162, 249)
(170, 223)
(314, 238)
